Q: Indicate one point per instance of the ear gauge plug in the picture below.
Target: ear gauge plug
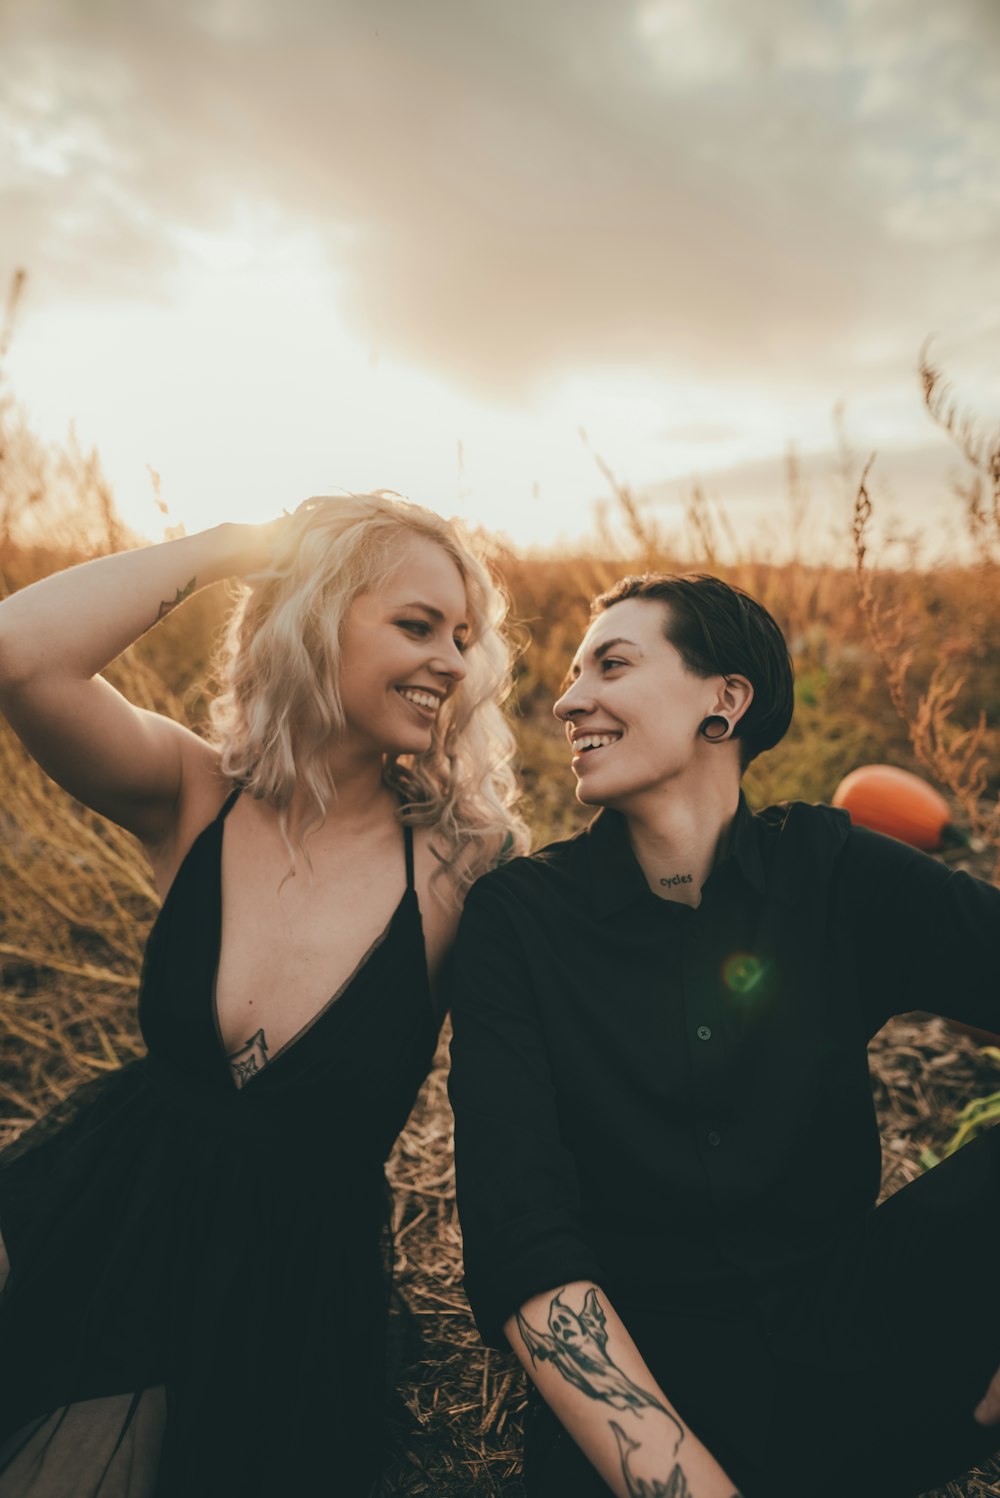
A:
(716, 729)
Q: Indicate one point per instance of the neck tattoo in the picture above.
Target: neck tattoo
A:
(679, 879)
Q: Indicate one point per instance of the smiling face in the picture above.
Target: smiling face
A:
(633, 710)
(402, 648)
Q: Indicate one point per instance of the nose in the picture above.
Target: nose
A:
(572, 702)
(450, 663)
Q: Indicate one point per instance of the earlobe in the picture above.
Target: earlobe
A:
(716, 729)
(731, 704)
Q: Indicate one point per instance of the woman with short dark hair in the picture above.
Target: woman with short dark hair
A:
(719, 629)
(667, 1151)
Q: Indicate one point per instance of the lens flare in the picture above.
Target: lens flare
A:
(744, 974)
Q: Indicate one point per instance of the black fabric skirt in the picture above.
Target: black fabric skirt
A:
(188, 1311)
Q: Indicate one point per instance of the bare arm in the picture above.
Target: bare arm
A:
(58, 634)
(591, 1374)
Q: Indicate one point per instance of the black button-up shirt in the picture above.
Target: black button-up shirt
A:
(673, 1101)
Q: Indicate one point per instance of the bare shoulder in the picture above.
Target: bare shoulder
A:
(203, 791)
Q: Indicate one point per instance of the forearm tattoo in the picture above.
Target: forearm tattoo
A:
(248, 1059)
(576, 1346)
(675, 1486)
(168, 606)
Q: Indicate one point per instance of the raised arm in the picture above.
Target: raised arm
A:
(593, 1378)
(58, 634)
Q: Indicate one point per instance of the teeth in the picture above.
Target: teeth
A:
(422, 699)
(595, 741)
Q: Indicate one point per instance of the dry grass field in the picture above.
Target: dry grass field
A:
(891, 666)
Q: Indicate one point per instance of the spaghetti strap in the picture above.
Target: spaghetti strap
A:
(229, 803)
(408, 844)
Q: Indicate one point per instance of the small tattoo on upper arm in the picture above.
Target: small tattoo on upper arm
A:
(576, 1345)
(167, 607)
(248, 1059)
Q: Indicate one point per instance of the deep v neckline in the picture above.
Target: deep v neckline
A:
(328, 1004)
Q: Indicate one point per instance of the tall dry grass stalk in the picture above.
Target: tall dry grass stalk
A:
(77, 895)
(959, 758)
(980, 490)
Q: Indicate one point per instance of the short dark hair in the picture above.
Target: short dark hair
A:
(718, 630)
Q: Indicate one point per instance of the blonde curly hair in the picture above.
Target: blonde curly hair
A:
(279, 706)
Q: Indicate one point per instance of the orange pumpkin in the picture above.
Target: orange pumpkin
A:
(906, 807)
(897, 803)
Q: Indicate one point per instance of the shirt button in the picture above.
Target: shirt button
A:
(714, 1138)
(704, 1033)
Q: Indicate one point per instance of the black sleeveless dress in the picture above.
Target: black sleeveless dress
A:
(197, 1300)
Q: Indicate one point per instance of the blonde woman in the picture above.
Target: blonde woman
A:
(196, 1302)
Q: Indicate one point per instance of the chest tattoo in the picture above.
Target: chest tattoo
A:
(678, 879)
(249, 1058)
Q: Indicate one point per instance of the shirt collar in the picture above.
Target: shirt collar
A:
(744, 847)
(616, 878)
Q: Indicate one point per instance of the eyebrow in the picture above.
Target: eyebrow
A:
(600, 653)
(602, 650)
(428, 608)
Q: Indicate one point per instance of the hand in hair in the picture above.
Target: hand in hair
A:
(264, 544)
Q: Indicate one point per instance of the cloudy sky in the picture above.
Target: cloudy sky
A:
(280, 247)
